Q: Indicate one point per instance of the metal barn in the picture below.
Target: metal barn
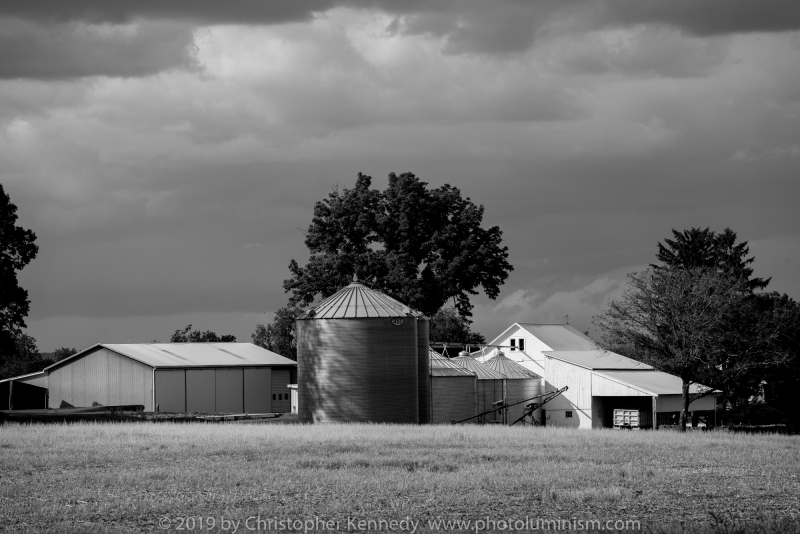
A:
(491, 387)
(521, 384)
(174, 377)
(362, 356)
(454, 391)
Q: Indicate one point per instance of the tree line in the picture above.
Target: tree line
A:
(698, 313)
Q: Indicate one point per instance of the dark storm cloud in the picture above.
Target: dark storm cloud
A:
(708, 17)
(203, 11)
(72, 50)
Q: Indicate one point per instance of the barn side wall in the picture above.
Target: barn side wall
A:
(573, 408)
(101, 376)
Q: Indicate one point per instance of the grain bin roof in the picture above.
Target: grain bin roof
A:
(483, 372)
(509, 368)
(560, 336)
(358, 301)
(191, 354)
(653, 382)
(441, 366)
(596, 359)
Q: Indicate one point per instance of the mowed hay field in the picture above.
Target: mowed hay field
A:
(128, 477)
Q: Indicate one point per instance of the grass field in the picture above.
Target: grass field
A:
(129, 477)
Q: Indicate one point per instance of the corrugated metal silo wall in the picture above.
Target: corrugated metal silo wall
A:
(452, 398)
(424, 365)
(363, 369)
(102, 376)
(489, 392)
(523, 388)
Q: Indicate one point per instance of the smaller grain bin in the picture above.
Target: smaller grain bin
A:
(453, 391)
(521, 384)
(491, 387)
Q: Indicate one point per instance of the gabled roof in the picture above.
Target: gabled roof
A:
(190, 354)
(358, 301)
(597, 359)
(483, 372)
(555, 336)
(559, 336)
(652, 382)
(509, 368)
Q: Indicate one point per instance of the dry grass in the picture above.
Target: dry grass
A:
(125, 477)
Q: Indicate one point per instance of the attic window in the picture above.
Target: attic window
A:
(521, 344)
(513, 345)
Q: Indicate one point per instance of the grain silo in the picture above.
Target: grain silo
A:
(453, 391)
(358, 356)
(491, 386)
(521, 384)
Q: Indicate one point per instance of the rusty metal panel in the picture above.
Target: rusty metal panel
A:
(170, 390)
(101, 376)
(363, 369)
(423, 370)
(229, 391)
(452, 398)
(281, 402)
(200, 391)
(258, 390)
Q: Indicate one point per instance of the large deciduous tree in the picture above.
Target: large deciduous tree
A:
(279, 337)
(687, 322)
(187, 335)
(423, 246)
(17, 249)
(449, 327)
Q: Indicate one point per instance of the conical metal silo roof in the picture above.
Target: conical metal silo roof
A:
(509, 368)
(359, 301)
(483, 372)
(441, 366)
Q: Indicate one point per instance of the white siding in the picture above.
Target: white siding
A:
(531, 358)
(101, 376)
(37, 380)
(577, 399)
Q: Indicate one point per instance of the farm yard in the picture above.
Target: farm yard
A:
(90, 477)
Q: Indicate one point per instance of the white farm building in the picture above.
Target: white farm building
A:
(598, 382)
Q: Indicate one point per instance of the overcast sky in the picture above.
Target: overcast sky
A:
(168, 154)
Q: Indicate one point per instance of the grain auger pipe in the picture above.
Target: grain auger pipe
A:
(529, 409)
(550, 396)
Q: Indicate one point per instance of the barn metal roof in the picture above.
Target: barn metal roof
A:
(509, 368)
(191, 354)
(20, 377)
(358, 301)
(597, 359)
(483, 372)
(653, 382)
(560, 336)
(441, 366)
